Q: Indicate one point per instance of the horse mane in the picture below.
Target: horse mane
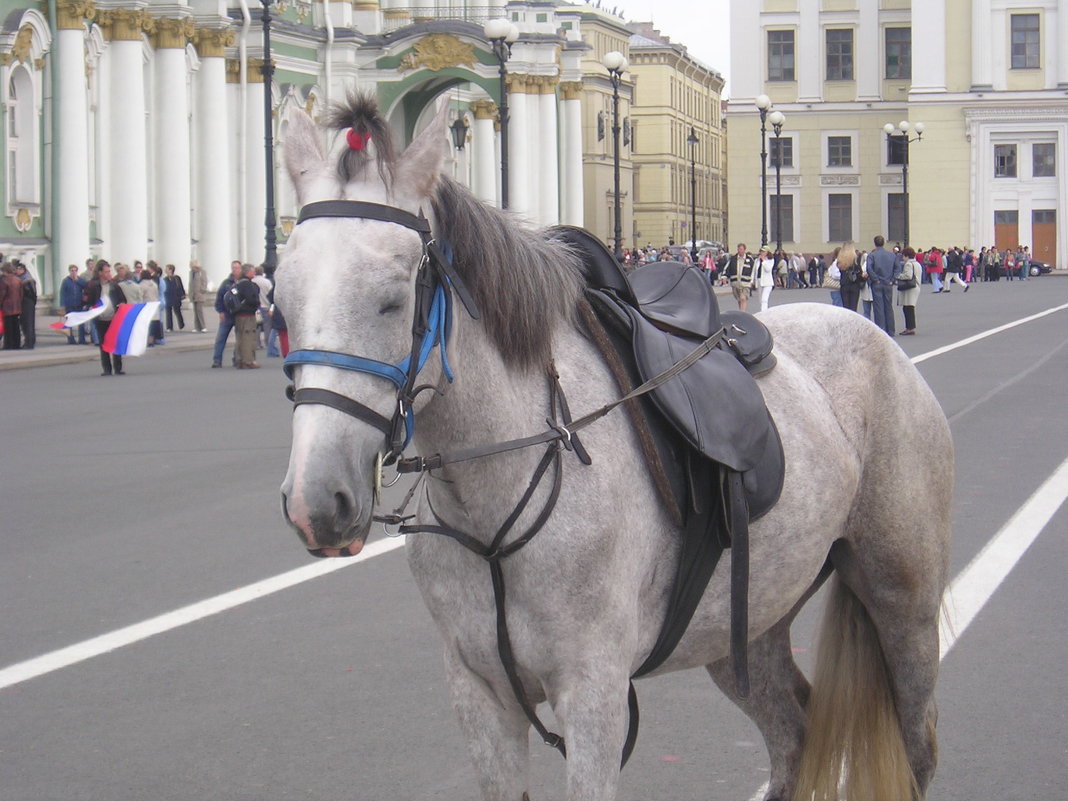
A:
(360, 113)
(524, 281)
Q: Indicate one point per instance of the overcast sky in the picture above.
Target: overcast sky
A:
(701, 25)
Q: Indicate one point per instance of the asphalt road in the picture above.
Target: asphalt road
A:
(123, 499)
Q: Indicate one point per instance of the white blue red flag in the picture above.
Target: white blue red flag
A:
(128, 333)
(75, 318)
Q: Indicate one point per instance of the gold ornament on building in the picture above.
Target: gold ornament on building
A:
(438, 51)
(483, 109)
(172, 33)
(212, 42)
(23, 220)
(124, 24)
(571, 90)
(72, 14)
(23, 47)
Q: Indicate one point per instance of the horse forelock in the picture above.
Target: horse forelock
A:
(524, 283)
(359, 114)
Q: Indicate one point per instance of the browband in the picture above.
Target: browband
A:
(368, 211)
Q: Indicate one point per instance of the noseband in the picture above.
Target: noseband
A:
(431, 326)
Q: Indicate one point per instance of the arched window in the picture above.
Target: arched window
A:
(23, 133)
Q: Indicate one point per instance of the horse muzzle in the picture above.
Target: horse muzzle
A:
(330, 520)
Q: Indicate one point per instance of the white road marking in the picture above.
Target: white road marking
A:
(968, 593)
(984, 334)
(87, 649)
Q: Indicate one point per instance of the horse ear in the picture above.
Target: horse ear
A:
(420, 164)
(303, 151)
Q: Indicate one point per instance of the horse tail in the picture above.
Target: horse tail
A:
(853, 726)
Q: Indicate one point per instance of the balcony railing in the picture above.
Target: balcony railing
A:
(395, 18)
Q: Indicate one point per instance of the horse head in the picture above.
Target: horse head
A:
(346, 286)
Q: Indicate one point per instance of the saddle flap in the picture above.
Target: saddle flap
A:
(749, 339)
(678, 297)
(715, 404)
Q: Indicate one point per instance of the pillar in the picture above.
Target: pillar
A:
(571, 200)
(483, 151)
(929, 45)
(173, 232)
(520, 147)
(71, 233)
(127, 199)
(213, 168)
(547, 151)
(255, 177)
(981, 45)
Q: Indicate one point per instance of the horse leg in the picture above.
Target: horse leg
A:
(496, 731)
(591, 704)
(776, 703)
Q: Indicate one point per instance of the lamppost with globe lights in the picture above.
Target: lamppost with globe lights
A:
(763, 104)
(501, 34)
(615, 62)
(901, 132)
(777, 120)
(692, 141)
(270, 257)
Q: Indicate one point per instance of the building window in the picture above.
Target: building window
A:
(840, 218)
(1044, 217)
(1007, 217)
(896, 148)
(839, 151)
(781, 146)
(895, 216)
(23, 133)
(780, 55)
(1004, 161)
(1043, 160)
(785, 213)
(899, 53)
(840, 54)
(1025, 41)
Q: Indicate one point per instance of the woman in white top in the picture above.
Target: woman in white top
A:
(765, 276)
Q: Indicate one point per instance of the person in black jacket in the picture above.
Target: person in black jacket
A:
(244, 304)
(102, 286)
(740, 273)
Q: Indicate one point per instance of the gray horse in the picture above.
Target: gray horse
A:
(869, 464)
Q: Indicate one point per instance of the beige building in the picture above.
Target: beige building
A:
(675, 95)
(988, 80)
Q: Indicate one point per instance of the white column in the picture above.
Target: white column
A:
(868, 63)
(548, 157)
(748, 42)
(128, 200)
(572, 202)
(982, 41)
(929, 43)
(519, 150)
(810, 54)
(71, 235)
(171, 145)
(484, 151)
(255, 179)
(215, 248)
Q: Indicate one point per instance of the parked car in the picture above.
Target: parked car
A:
(1039, 267)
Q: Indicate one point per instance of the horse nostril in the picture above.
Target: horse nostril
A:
(344, 510)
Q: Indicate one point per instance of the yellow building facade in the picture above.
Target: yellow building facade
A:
(988, 80)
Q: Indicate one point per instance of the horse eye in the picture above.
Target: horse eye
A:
(389, 308)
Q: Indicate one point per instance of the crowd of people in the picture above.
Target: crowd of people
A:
(253, 318)
(869, 282)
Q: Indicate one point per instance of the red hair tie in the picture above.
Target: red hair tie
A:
(357, 141)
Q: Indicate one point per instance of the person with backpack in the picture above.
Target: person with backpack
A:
(242, 301)
(226, 320)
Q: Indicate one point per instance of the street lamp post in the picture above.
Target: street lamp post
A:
(902, 130)
(692, 141)
(502, 34)
(777, 119)
(763, 103)
(616, 63)
(270, 257)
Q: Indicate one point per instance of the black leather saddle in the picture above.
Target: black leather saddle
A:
(718, 448)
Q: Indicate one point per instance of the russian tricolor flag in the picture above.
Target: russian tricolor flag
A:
(128, 333)
(76, 318)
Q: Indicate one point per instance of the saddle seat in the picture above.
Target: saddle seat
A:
(657, 315)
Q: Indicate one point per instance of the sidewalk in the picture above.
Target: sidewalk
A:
(52, 348)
